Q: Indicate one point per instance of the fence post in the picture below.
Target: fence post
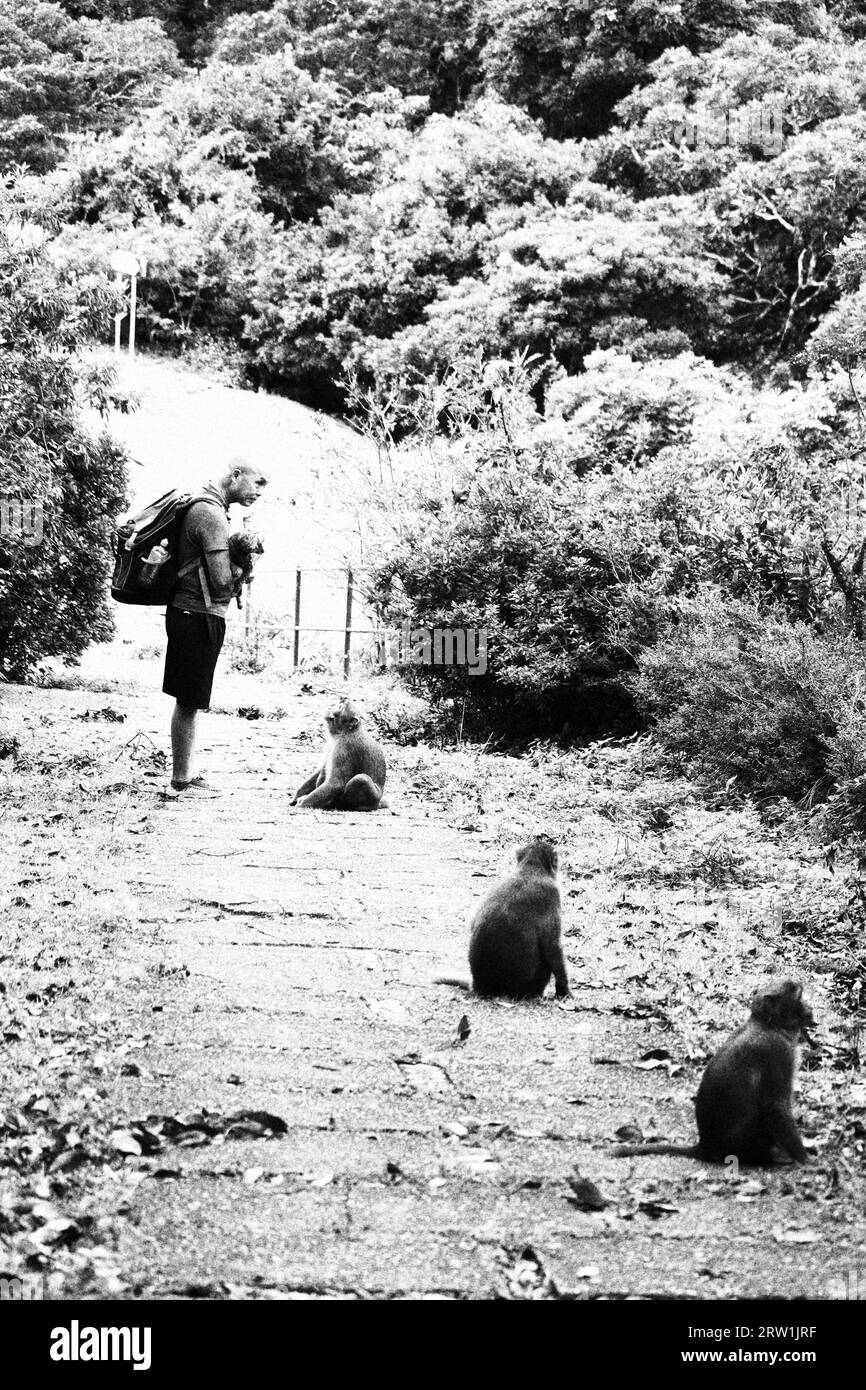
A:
(381, 640)
(246, 590)
(297, 644)
(347, 644)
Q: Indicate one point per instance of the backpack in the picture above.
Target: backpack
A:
(145, 547)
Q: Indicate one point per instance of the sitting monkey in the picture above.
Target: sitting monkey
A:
(353, 774)
(243, 545)
(743, 1104)
(515, 933)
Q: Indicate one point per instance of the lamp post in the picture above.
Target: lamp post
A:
(127, 263)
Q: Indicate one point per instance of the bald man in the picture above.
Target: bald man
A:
(195, 620)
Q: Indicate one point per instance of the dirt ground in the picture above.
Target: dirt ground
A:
(168, 966)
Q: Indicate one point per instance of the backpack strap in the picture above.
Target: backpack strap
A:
(205, 590)
(202, 577)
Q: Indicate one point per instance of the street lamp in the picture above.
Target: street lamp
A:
(125, 263)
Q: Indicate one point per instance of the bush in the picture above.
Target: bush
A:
(569, 576)
(400, 716)
(748, 695)
(53, 592)
(572, 538)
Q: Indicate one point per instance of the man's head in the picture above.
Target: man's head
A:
(243, 483)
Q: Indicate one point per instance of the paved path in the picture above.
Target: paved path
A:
(414, 1163)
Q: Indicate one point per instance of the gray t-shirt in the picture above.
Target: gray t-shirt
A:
(204, 536)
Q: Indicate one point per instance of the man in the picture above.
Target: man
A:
(195, 619)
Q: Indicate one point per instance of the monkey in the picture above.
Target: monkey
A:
(515, 940)
(353, 774)
(243, 545)
(743, 1104)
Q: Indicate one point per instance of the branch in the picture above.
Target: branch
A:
(774, 215)
(842, 579)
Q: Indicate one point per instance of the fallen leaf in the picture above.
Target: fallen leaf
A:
(656, 1209)
(795, 1236)
(586, 1195)
(124, 1142)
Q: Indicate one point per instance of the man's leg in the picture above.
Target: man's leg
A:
(183, 726)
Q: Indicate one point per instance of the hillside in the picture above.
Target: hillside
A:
(188, 428)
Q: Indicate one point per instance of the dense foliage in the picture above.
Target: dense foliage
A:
(389, 185)
(52, 570)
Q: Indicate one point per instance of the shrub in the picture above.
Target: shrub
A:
(749, 695)
(53, 593)
(403, 717)
(569, 576)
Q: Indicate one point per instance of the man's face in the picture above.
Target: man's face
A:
(246, 488)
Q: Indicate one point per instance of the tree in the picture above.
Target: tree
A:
(369, 45)
(551, 278)
(59, 74)
(189, 23)
(568, 62)
(337, 288)
(775, 228)
(702, 114)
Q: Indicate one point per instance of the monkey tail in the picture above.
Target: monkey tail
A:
(461, 983)
(630, 1150)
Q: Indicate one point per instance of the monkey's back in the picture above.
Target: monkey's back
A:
(738, 1091)
(509, 931)
(361, 753)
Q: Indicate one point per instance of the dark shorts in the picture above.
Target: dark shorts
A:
(194, 642)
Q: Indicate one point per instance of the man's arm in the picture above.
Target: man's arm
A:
(210, 530)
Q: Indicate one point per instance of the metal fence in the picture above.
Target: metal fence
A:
(297, 627)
